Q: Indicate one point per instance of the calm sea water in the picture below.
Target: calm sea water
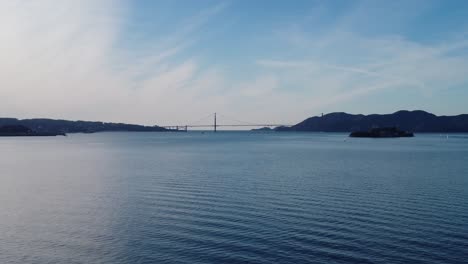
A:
(233, 197)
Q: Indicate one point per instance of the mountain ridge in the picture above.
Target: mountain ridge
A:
(45, 125)
(415, 121)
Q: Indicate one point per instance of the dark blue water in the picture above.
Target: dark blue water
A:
(233, 198)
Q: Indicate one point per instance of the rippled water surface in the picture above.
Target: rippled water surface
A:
(233, 197)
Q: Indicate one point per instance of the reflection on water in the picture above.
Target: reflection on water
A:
(233, 197)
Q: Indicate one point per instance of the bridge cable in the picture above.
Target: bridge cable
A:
(236, 120)
(199, 120)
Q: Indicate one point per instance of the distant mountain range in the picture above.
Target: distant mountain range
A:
(65, 126)
(415, 121)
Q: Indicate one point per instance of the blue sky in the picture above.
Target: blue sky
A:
(174, 61)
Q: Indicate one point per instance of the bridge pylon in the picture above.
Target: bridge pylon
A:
(215, 122)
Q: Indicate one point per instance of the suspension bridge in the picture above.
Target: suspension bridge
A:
(215, 125)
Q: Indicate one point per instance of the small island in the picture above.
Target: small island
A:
(384, 132)
(22, 131)
(263, 129)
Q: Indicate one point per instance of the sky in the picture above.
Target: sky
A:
(264, 61)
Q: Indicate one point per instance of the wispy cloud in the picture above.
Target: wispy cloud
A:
(67, 59)
(371, 64)
(59, 59)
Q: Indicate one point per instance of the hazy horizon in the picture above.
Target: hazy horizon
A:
(172, 62)
(208, 120)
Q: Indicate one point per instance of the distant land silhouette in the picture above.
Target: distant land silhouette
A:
(263, 129)
(22, 131)
(51, 126)
(383, 132)
(415, 121)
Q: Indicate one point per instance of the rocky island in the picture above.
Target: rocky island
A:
(384, 132)
(263, 129)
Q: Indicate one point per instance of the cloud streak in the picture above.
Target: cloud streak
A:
(59, 59)
(69, 59)
(376, 64)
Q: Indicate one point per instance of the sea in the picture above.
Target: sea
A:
(233, 197)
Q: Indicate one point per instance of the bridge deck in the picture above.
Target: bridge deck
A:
(215, 125)
(253, 125)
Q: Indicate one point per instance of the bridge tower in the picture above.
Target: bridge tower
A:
(214, 122)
